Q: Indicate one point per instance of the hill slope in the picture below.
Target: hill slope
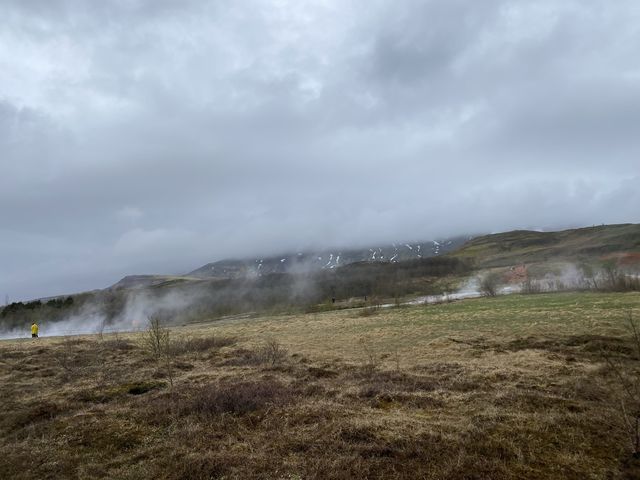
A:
(581, 244)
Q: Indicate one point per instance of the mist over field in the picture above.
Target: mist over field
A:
(393, 285)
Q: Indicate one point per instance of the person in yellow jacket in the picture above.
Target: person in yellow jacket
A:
(34, 330)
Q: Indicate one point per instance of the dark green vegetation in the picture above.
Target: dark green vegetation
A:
(17, 313)
(494, 388)
(52, 306)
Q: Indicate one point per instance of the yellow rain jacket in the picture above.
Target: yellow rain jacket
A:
(34, 329)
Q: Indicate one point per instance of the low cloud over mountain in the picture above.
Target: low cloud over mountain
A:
(148, 136)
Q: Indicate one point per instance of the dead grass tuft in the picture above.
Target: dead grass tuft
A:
(117, 344)
(236, 398)
(270, 353)
(197, 466)
(186, 346)
(320, 372)
(31, 414)
(368, 311)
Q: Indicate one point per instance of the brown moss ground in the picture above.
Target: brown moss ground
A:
(514, 387)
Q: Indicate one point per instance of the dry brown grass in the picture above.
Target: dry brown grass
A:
(475, 390)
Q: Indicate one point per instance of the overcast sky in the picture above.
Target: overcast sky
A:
(153, 136)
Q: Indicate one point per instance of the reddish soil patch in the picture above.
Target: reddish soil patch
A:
(517, 274)
(629, 259)
(625, 259)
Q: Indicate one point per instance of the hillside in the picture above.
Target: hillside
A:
(144, 281)
(618, 242)
(592, 244)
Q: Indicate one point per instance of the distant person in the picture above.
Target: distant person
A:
(34, 330)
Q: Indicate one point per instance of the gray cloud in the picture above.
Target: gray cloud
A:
(154, 136)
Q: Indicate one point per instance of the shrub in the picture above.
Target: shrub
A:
(236, 398)
(368, 311)
(200, 344)
(271, 352)
(116, 343)
(157, 341)
(138, 388)
(529, 286)
(31, 414)
(66, 355)
(489, 284)
(629, 383)
(371, 358)
(156, 337)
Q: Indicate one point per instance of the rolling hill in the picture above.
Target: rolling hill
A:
(598, 243)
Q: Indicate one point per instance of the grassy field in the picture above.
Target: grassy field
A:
(508, 387)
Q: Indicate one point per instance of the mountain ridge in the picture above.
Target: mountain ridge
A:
(322, 259)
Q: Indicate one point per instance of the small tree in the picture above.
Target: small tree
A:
(530, 286)
(371, 357)
(157, 341)
(489, 284)
(589, 277)
(272, 352)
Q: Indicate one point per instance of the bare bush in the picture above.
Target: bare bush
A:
(617, 281)
(375, 301)
(65, 356)
(158, 342)
(368, 311)
(396, 358)
(116, 343)
(589, 278)
(272, 353)
(530, 286)
(40, 411)
(489, 284)
(371, 360)
(199, 344)
(629, 382)
(156, 337)
(235, 398)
